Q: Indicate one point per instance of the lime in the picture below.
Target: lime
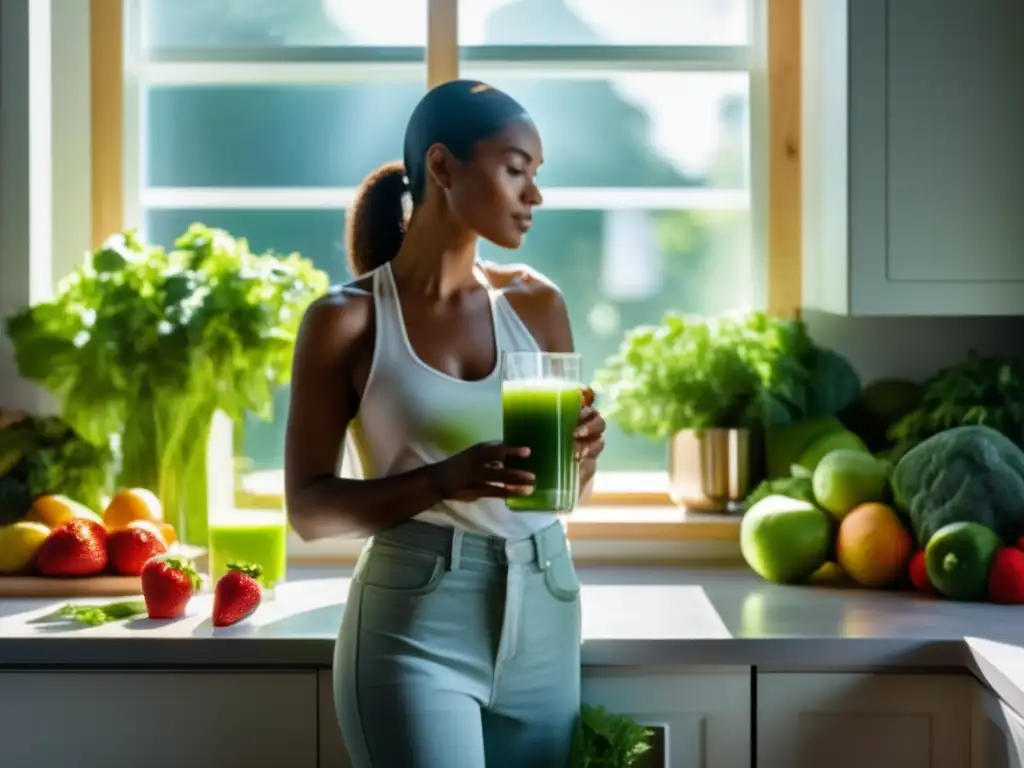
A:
(958, 558)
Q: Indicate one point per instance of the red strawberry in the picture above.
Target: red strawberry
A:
(237, 594)
(168, 583)
(76, 548)
(130, 547)
(918, 571)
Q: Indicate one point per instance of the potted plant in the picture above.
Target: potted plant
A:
(711, 386)
(142, 347)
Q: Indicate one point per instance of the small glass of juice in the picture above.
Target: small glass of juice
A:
(250, 536)
(541, 397)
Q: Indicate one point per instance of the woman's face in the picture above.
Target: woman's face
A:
(494, 194)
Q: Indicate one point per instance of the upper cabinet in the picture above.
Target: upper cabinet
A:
(913, 157)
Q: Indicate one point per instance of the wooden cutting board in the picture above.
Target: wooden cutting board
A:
(93, 586)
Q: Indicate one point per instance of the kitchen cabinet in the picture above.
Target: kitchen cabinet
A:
(200, 719)
(912, 156)
(704, 712)
(332, 749)
(852, 720)
(997, 732)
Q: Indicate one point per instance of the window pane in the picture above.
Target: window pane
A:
(275, 136)
(636, 130)
(640, 130)
(603, 22)
(226, 23)
(616, 268)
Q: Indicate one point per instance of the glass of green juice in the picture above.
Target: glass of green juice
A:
(253, 536)
(541, 397)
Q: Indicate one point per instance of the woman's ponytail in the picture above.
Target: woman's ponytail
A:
(376, 222)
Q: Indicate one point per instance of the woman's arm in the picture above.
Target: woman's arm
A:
(323, 402)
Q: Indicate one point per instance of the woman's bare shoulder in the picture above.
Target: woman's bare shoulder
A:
(341, 316)
(520, 279)
(536, 299)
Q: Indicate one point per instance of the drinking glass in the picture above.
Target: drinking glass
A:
(541, 397)
(254, 536)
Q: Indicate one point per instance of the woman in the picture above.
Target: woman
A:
(459, 646)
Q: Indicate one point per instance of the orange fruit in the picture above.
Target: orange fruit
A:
(132, 504)
(56, 510)
(167, 530)
(872, 546)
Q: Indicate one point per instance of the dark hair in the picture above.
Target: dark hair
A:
(456, 114)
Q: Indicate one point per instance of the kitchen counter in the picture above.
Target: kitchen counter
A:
(631, 617)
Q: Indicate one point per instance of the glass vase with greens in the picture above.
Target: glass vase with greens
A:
(144, 346)
(743, 370)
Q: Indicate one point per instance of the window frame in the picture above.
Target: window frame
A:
(637, 508)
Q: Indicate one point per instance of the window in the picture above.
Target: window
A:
(261, 117)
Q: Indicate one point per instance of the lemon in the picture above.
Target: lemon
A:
(19, 543)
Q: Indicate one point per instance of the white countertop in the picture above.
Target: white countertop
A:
(633, 617)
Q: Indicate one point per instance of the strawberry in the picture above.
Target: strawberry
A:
(237, 594)
(75, 548)
(130, 547)
(168, 583)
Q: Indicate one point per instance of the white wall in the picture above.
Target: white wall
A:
(45, 209)
(914, 347)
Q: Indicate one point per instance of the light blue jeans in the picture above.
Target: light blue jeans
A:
(458, 650)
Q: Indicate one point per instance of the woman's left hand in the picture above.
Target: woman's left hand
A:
(589, 433)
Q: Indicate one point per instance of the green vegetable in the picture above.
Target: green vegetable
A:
(15, 499)
(745, 371)
(609, 740)
(966, 474)
(46, 456)
(988, 391)
(958, 559)
(796, 486)
(95, 615)
(147, 345)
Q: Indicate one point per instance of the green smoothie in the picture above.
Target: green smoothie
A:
(541, 415)
(249, 536)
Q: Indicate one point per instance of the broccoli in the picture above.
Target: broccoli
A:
(965, 474)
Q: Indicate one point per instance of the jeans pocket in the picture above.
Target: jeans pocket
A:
(561, 579)
(395, 569)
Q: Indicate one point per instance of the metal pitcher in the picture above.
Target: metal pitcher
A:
(714, 470)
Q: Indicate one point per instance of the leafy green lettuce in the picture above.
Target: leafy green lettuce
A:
(739, 370)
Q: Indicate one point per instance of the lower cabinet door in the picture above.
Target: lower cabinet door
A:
(863, 720)
(172, 719)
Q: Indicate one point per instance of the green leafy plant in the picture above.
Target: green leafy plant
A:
(987, 391)
(43, 455)
(609, 740)
(147, 345)
(738, 371)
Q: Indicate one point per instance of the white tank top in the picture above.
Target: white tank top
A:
(412, 415)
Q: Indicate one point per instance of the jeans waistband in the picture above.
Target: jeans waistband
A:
(456, 545)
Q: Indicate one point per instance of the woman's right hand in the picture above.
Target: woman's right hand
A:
(479, 472)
